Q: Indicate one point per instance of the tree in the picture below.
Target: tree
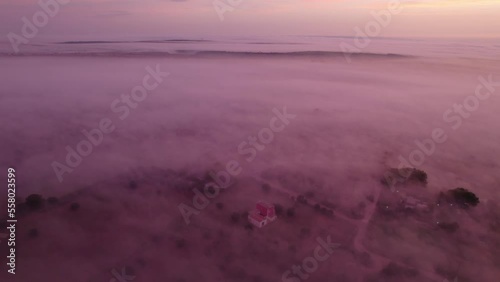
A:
(464, 197)
(34, 201)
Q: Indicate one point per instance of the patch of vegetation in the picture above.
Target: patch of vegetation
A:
(405, 175)
(249, 226)
(290, 212)
(220, 206)
(464, 197)
(34, 201)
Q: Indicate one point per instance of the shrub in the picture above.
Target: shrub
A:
(34, 201)
(419, 176)
(290, 212)
(464, 197)
(219, 206)
(404, 175)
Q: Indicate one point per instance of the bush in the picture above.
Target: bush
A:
(404, 175)
(419, 176)
(290, 212)
(34, 201)
(464, 197)
(219, 206)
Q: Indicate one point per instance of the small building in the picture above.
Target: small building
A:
(263, 214)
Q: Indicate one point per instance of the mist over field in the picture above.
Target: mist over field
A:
(323, 127)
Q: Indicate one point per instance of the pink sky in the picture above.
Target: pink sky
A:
(132, 18)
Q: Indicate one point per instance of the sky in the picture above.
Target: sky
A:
(97, 19)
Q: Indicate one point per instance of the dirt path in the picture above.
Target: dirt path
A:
(379, 261)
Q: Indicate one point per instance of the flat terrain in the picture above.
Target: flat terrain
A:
(353, 122)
